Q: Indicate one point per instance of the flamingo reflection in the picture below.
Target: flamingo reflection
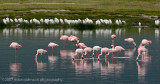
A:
(15, 68)
(82, 66)
(112, 69)
(66, 54)
(40, 65)
(130, 52)
(52, 60)
(143, 67)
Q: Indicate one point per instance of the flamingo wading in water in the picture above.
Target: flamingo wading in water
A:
(96, 48)
(79, 51)
(15, 45)
(73, 39)
(130, 40)
(86, 50)
(64, 38)
(141, 51)
(81, 45)
(40, 51)
(104, 50)
(52, 45)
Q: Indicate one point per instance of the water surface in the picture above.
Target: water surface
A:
(60, 68)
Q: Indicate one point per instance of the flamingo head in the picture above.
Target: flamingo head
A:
(112, 46)
(10, 46)
(113, 36)
(77, 40)
(126, 39)
(77, 45)
(44, 51)
(150, 42)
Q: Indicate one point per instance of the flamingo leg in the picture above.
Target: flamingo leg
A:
(129, 45)
(88, 56)
(113, 42)
(64, 44)
(79, 56)
(121, 53)
(73, 45)
(112, 57)
(144, 55)
(52, 51)
(117, 54)
(96, 54)
(82, 56)
(15, 54)
(138, 57)
(105, 55)
(41, 57)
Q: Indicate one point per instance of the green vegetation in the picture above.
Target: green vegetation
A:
(132, 11)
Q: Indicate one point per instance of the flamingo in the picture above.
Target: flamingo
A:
(81, 45)
(40, 51)
(73, 39)
(119, 49)
(130, 40)
(51, 44)
(116, 49)
(79, 51)
(15, 45)
(86, 50)
(141, 50)
(64, 38)
(113, 36)
(103, 50)
(96, 48)
(146, 42)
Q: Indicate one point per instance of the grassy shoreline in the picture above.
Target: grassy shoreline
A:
(132, 11)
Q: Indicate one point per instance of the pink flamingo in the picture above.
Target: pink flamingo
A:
(81, 45)
(130, 40)
(119, 49)
(116, 49)
(79, 51)
(146, 42)
(64, 38)
(103, 50)
(51, 44)
(40, 51)
(73, 39)
(86, 50)
(113, 36)
(15, 46)
(96, 48)
(141, 50)
(149, 42)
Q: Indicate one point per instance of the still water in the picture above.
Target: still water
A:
(60, 68)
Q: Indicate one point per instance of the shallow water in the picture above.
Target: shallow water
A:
(60, 68)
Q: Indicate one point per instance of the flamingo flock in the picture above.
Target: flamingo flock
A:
(83, 50)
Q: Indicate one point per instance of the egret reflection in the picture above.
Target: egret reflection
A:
(57, 32)
(157, 33)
